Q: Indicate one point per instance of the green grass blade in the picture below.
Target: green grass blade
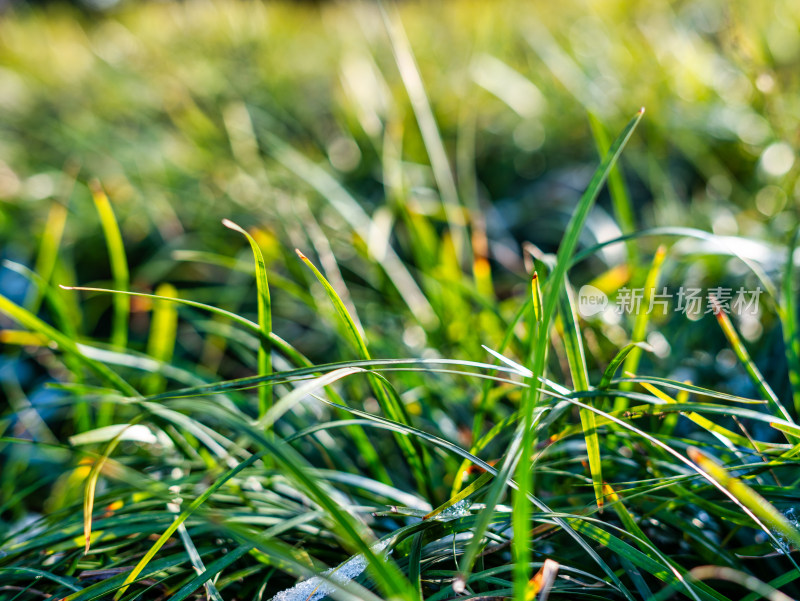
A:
(431, 137)
(616, 362)
(66, 344)
(750, 367)
(48, 252)
(788, 315)
(745, 495)
(180, 519)
(553, 288)
(264, 318)
(119, 263)
(391, 407)
(642, 319)
(252, 326)
(163, 332)
(576, 358)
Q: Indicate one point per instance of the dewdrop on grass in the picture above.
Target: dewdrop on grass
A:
(316, 588)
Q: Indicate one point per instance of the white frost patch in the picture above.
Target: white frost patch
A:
(456, 510)
(316, 588)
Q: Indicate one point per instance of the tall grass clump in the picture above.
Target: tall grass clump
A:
(304, 314)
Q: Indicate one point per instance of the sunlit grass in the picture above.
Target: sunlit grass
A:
(381, 381)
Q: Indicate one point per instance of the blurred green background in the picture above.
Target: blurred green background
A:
(191, 112)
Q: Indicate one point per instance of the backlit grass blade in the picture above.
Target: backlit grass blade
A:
(91, 484)
(48, 252)
(617, 361)
(429, 130)
(252, 326)
(163, 331)
(688, 462)
(66, 344)
(642, 318)
(352, 212)
(553, 288)
(788, 315)
(620, 199)
(576, 358)
(119, 263)
(745, 495)
(264, 318)
(393, 409)
(750, 367)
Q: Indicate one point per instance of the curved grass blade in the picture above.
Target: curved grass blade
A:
(393, 409)
(688, 462)
(66, 344)
(553, 288)
(724, 243)
(274, 339)
(620, 199)
(264, 318)
(91, 485)
(618, 359)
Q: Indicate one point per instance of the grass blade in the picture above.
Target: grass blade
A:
(163, 331)
(391, 407)
(118, 260)
(788, 315)
(66, 344)
(750, 367)
(264, 318)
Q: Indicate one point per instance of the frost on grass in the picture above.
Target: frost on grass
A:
(456, 510)
(791, 516)
(316, 588)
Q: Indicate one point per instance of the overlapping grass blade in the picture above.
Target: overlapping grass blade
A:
(553, 288)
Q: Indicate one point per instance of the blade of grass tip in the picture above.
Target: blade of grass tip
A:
(642, 320)
(409, 73)
(540, 585)
(264, 318)
(393, 409)
(118, 260)
(554, 287)
(744, 358)
(618, 359)
(748, 497)
(180, 519)
(576, 358)
(66, 344)
(161, 341)
(620, 199)
(788, 315)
